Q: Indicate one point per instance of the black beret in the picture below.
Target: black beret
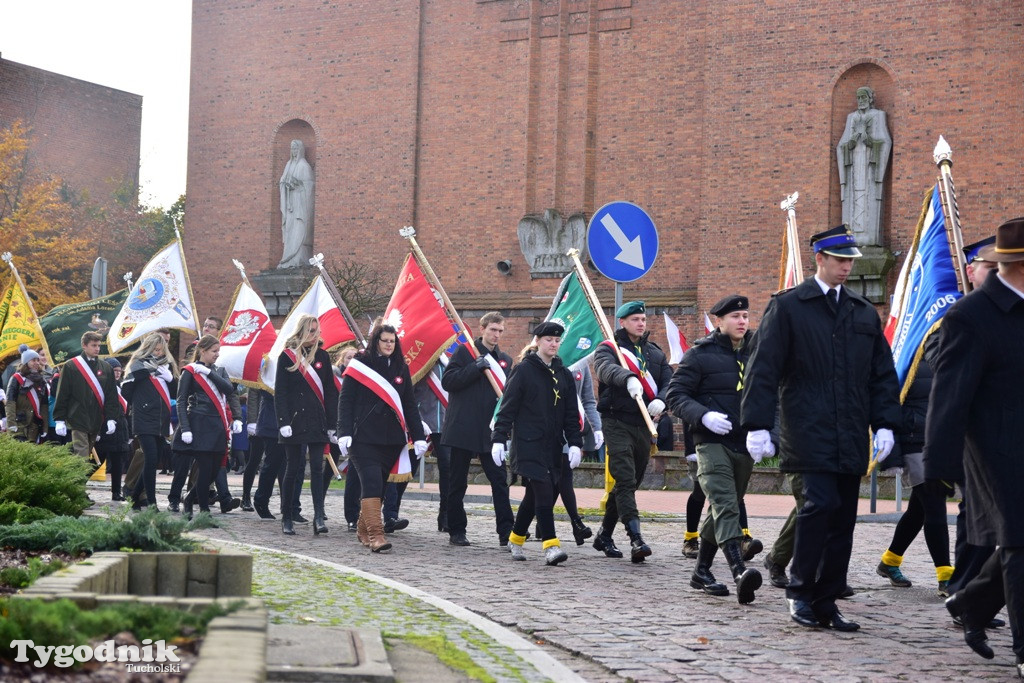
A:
(733, 302)
(548, 329)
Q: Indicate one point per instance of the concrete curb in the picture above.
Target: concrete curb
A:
(527, 651)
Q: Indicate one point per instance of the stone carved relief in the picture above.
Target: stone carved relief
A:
(544, 241)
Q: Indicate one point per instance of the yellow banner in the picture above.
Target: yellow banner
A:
(19, 325)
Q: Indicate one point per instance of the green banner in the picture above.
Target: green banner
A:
(64, 325)
(571, 310)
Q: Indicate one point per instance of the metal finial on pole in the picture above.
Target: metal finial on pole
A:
(241, 269)
(943, 157)
(128, 280)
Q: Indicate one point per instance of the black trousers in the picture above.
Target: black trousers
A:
(968, 559)
(151, 445)
(207, 465)
(394, 491)
(115, 468)
(824, 539)
(373, 462)
(295, 472)
(353, 494)
(999, 582)
(273, 470)
(539, 501)
(252, 465)
(458, 482)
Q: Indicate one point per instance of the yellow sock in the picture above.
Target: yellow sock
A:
(943, 573)
(548, 543)
(746, 532)
(690, 535)
(513, 537)
(892, 559)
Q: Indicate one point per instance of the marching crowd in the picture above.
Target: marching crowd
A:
(814, 383)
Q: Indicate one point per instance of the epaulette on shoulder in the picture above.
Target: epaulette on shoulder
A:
(783, 291)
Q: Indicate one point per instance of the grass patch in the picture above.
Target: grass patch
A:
(449, 654)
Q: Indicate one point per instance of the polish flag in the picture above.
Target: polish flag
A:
(316, 301)
(708, 327)
(676, 340)
(247, 337)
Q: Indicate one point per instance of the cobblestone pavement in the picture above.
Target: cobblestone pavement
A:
(610, 620)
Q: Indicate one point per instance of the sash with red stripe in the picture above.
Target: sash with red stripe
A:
(214, 395)
(91, 379)
(30, 392)
(161, 388)
(646, 378)
(375, 382)
(495, 369)
(124, 403)
(311, 377)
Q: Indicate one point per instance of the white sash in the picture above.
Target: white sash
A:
(646, 378)
(375, 382)
(497, 370)
(33, 398)
(91, 379)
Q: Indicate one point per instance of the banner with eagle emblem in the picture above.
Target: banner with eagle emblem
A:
(246, 338)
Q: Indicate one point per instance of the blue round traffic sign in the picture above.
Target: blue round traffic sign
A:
(622, 241)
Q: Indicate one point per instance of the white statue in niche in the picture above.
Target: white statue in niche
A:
(863, 154)
(296, 186)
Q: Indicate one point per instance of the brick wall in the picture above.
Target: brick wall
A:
(459, 116)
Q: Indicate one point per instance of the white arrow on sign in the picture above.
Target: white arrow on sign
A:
(632, 253)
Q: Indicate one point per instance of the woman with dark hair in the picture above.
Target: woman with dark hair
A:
(377, 416)
(208, 410)
(152, 373)
(306, 401)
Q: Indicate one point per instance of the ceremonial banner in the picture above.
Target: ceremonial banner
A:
(162, 297)
(926, 289)
(64, 325)
(708, 327)
(676, 341)
(316, 301)
(571, 310)
(247, 336)
(18, 324)
(420, 319)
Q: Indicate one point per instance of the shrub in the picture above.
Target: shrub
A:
(146, 530)
(17, 513)
(16, 577)
(47, 476)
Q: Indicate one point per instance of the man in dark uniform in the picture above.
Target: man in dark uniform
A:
(975, 416)
(705, 393)
(471, 402)
(820, 356)
(627, 437)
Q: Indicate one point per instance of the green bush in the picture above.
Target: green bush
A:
(47, 476)
(16, 577)
(17, 513)
(62, 623)
(146, 530)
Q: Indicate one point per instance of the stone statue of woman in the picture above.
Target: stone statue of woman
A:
(863, 154)
(297, 184)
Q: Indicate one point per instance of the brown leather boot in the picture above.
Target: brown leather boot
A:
(375, 525)
(364, 514)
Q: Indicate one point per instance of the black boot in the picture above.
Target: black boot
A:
(750, 547)
(702, 578)
(747, 579)
(603, 543)
(286, 525)
(318, 524)
(247, 504)
(580, 531)
(638, 549)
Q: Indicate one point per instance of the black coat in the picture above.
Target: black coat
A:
(831, 375)
(120, 440)
(708, 378)
(149, 413)
(539, 422)
(612, 399)
(366, 418)
(471, 400)
(976, 411)
(198, 414)
(298, 406)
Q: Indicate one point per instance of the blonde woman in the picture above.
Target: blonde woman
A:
(306, 401)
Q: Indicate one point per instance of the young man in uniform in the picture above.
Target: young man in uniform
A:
(86, 400)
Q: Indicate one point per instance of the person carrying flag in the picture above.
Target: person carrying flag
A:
(86, 397)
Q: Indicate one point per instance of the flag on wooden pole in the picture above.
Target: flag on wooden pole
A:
(677, 343)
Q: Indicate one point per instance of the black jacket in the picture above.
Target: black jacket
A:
(298, 406)
(198, 414)
(709, 378)
(612, 399)
(540, 411)
(149, 413)
(366, 418)
(471, 400)
(831, 374)
(976, 408)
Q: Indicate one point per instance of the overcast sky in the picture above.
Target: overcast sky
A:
(141, 46)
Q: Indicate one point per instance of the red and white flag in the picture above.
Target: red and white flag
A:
(420, 319)
(247, 337)
(677, 343)
(708, 327)
(316, 301)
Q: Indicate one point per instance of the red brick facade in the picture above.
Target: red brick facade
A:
(461, 116)
(86, 134)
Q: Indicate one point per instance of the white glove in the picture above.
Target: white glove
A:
(13, 429)
(344, 443)
(285, 431)
(60, 427)
(419, 448)
(575, 455)
(634, 388)
(598, 440)
(884, 442)
(251, 429)
(111, 426)
(331, 436)
(201, 369)
(718, 423)
(655, 408)
(3, 396)
(236, 427)
(498, 453)
(692, 457)
(164, 373)
(758, 442)
(186, 437)
(426, 428)
(769, 450)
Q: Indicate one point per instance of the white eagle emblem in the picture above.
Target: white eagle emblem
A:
(242, 328)
(395, 320)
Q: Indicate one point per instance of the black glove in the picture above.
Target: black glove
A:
(481, 363)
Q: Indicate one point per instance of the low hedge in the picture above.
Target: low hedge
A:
(46, 477)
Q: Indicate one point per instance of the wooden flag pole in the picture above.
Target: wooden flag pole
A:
(606, 329)
(943, 156)
(792, 240)
(409, 233)
(318, 261)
